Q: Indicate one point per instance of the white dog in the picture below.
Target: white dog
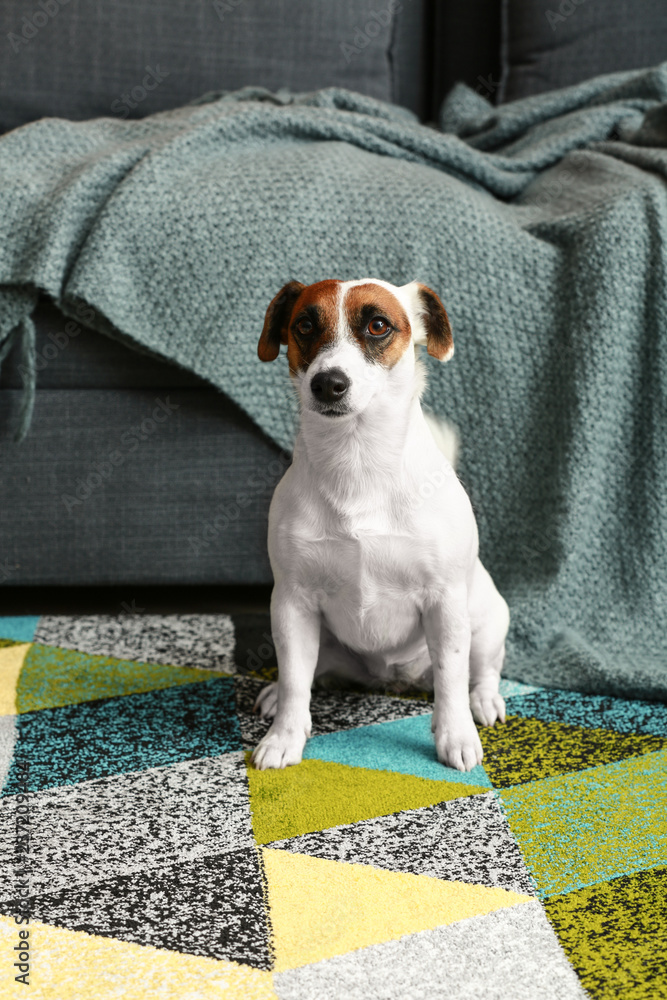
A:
(372, 538)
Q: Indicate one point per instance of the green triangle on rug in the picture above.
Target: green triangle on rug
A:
(597, 824)
(52, 677)
(526, 749)
(614, 934)
(316, 795)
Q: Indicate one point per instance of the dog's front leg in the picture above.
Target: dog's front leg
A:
(296, 634)
(447, 631)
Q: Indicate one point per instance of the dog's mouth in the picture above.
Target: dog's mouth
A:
(332, 411)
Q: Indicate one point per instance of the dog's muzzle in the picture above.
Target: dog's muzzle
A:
(329, 389)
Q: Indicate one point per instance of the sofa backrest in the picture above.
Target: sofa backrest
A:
(548, 44)
(84, 58)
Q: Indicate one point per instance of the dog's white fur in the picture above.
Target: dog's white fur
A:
(374, 549)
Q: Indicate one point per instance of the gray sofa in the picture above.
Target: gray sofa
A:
(135, 471)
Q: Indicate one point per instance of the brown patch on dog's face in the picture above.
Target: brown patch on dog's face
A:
(378, 323)
(312, 324)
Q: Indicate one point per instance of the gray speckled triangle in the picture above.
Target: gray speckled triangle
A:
(125, 823)
(512, 953)
(205, 641)
(213, 907)
(330, 711)
(464, 840)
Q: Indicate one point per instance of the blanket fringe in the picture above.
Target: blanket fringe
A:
(24, 335)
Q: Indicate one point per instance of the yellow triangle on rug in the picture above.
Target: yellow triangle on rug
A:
(74, 965)
(322, 908)
(11, 661)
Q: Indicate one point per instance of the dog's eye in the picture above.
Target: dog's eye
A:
(304, 326)
(378, 326)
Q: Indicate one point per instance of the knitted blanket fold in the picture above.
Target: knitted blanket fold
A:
(541, 224)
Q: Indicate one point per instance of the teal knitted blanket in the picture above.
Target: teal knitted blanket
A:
(542, 224)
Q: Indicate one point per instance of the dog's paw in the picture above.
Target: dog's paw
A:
(267, 701)
(458, 745)
(279, 749)
(487, 706)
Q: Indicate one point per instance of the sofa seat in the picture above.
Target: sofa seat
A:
(134, 471)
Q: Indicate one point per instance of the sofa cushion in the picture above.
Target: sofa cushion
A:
(84, 58)
(554, 43)
(141, 486)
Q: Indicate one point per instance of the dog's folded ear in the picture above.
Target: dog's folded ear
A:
(434, 328)
(274, 332)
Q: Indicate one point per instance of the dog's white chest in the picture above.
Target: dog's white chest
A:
(370, 587)
(371, 564)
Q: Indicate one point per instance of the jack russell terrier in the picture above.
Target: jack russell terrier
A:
(372, 538)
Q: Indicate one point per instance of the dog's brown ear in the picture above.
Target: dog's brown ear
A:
(274, 332)
(438, 330)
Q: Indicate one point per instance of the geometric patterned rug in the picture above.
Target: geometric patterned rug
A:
(142, 856)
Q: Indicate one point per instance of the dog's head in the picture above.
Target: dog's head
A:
(347, 341)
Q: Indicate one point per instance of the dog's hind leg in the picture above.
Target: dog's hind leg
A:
(486, 702)
(489, 616)
(336, 660)
(267, 701)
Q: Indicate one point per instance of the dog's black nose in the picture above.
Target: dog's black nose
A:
(329, 386)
